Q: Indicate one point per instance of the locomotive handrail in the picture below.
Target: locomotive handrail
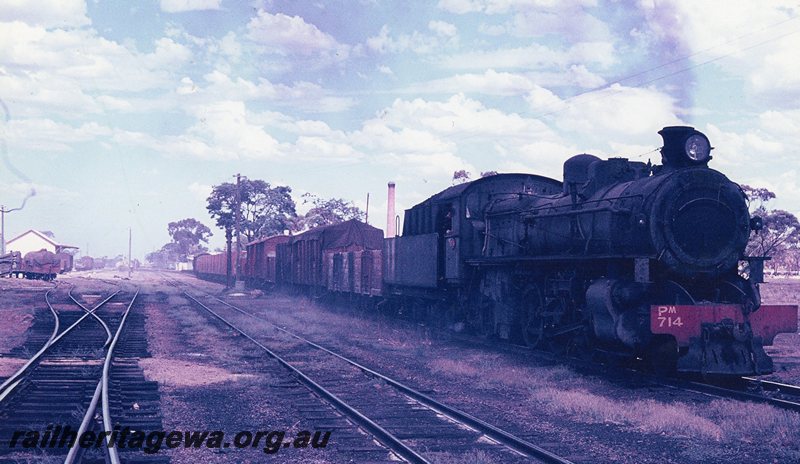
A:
(570, 205)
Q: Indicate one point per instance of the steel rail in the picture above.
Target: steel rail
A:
(729, 393)
(389, 440)
(55, 315)
(7, 386)
(113, 455)
(105, 326)
(792, 390)
(518, 444)
(101, 391)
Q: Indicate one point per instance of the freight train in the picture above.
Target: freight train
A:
(39, 265)
(638, 259)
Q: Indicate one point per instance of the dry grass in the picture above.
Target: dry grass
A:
(493, 370)
(647, 416)
(720, 421)
(756, 423)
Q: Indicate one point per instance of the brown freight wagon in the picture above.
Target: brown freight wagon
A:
(259, 269)
(344, 257)
(215, 267)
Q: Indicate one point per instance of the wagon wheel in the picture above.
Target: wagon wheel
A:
(533, 319)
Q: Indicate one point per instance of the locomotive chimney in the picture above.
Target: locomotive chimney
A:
(391, 230)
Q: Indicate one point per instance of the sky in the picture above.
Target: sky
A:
(124, 114)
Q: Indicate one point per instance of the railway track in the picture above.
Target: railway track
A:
(66, 380)
(779, 395)
(410, 423)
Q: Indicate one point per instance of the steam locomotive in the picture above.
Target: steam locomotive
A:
(622, 256)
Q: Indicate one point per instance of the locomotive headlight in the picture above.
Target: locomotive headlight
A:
(697, 147)
(684, 146)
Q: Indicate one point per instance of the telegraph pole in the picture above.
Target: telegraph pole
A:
(3, 212)
(130, 260)
(2, 230)
(239, 285)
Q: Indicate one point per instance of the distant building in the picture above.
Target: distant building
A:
(33, 240)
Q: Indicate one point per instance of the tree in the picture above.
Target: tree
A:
(330, 211)
(264, 210)
(781, 231)
(460, 176)
(780, 235)
(187, 234)
(164, 258)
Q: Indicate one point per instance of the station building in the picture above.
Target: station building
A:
(33, 240)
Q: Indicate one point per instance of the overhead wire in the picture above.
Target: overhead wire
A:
(570, 100)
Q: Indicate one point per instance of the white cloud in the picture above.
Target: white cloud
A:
(460, 116)
(292, 35)
(45, 13)
(443, 28)
(200, 191)
(80, 60)
(490, 82)
(504, 6)
(579, 27)
(51, 136)
(225, 126)
(304, 96)
(428, 166)
(445, 36)
(176, 6)
(618, 112)
(534, 56)
(758, 40)
(378, 137)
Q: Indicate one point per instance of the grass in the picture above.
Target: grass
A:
(723, 421)
(647, 416)
(493, 370)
